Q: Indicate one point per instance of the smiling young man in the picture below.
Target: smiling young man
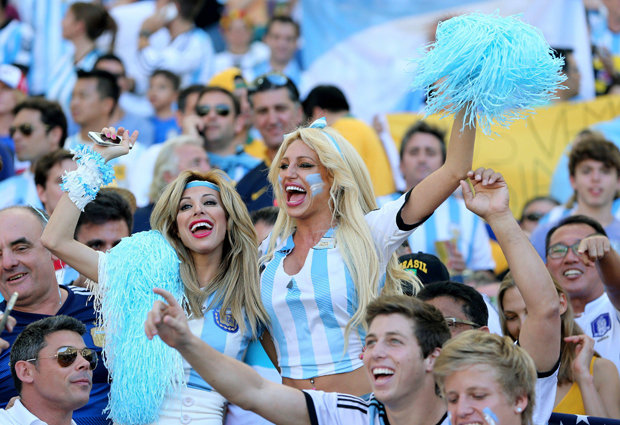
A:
(52, 370)
(581, 259)
(594, 167)
(404, 338)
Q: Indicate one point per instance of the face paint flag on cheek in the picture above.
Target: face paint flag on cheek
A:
(316, 183)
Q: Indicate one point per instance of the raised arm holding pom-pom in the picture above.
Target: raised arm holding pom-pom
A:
(439, 185)
(58, 234)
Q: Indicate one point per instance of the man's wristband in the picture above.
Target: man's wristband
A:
(144, 33)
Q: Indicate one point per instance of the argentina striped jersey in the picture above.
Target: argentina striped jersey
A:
(220, 331)
(310, 310)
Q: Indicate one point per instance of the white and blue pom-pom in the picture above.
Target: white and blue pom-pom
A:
(143, 372)
(92, 173)
(496, 68)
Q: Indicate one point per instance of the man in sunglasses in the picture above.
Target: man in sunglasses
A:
(594, 168)
(28, 269)
(52, 370)
(535, 209)
(276, 110)
(221, 122)
(582, 260)
(39, 127)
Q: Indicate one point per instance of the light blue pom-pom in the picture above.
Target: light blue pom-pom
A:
(496, 68)
(143, 372)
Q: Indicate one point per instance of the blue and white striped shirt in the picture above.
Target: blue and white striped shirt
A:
(44, 17)
(16, 43)
(310, 310)
(63, 79)
(19, 190)
(220, 331)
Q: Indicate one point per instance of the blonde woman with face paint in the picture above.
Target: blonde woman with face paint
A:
(331, 252)
(204, 240)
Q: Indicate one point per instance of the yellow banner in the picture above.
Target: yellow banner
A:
(527, 152)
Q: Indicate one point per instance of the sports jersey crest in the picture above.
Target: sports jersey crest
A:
(601, 325)
(226, 321)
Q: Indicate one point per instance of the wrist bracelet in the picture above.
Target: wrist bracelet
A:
(144, 33)
(92, 173)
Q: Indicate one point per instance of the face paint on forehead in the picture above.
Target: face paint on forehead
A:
(316, 183)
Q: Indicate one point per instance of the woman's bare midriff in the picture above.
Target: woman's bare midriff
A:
(355, 383)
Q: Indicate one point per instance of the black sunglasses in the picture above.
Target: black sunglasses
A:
(535, 216)
(66, 356)
(221, 109)
(25, 129)
(273, 80)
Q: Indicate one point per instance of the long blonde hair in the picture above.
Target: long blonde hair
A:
(236, 284)
(569, 328)
(351, 197)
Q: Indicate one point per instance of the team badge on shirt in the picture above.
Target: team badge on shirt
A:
(326, 243)
(601, 325)
(225, 321)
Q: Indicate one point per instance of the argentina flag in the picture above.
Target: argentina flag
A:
(366, 47)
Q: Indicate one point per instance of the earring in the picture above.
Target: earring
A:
(518, 409)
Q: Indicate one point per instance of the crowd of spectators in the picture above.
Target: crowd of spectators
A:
(309, 208)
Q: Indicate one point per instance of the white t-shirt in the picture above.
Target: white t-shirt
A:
(546, 387)
(601, 321)
(19, 415)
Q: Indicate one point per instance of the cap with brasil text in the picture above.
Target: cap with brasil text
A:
(427, 267)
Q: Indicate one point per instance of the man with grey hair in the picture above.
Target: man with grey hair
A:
(52, 370)
(28, 269)
(176, 155)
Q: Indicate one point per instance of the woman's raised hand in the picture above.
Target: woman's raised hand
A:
(126, 143)
(489, 195)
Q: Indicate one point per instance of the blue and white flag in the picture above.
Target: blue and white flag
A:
(366, 47)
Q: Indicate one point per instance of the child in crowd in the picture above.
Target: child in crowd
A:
(162, 94)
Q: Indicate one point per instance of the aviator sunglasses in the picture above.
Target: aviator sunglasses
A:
(66, 356)
(25, 129)
(221, 109)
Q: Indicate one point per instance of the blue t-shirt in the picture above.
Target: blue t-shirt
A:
(164, 129)
(6, 154)
(79, 306)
